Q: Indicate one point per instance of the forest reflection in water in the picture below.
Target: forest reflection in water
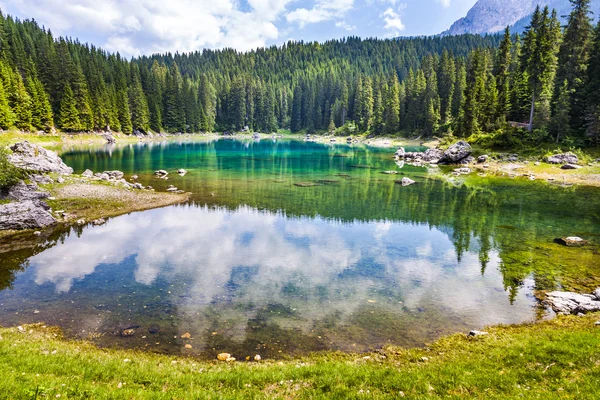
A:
(353, 263)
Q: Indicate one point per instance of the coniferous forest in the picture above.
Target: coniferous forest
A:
(543, 84)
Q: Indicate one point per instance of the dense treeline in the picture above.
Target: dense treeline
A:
(464, 85)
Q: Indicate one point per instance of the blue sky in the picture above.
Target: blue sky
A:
(134, 27)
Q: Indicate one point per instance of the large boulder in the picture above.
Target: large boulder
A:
(22, 192)
(565, 158)
(32, 157)
(24, 215)
(573, 303)
(457, 152)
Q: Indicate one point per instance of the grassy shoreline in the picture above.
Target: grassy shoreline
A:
(552, 359)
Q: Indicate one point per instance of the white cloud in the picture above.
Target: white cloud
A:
(345, 25)
(135, 27)
(323, 10)
(393, 22)
(445, 3)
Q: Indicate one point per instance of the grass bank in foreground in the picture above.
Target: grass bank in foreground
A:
(553, 359)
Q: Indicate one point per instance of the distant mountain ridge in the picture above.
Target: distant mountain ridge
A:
(492, 16)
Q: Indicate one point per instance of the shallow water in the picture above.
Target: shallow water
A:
(289, 247)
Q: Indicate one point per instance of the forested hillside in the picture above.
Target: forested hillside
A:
(465, 85)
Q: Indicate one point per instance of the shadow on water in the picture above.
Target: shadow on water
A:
(258, 264)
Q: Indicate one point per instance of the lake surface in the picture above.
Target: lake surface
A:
(289, 247)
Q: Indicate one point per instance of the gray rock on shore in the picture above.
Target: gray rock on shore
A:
(457, 152)
(573, 303)
(565, 158)
(24, 215)
(32, 157)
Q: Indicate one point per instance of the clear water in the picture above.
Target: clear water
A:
(289, 247)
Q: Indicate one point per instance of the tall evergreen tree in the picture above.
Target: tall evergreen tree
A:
(68, 115)
(572, 67)
(593, 90)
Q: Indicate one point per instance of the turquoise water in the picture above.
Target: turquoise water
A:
(289, 247)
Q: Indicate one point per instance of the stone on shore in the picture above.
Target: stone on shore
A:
(24, 215)
(87, 173)
(573, 303)
(32, 157)
(475, 333)
(565, 158)
(22, 192)
(457, 152)
(570, 166)
(161, 172)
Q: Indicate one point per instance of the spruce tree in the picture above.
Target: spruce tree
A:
(68, 115)
(593, 90)
(7, 116)
(502, 74)
(572, 66)
(138, 105)
(20, 102)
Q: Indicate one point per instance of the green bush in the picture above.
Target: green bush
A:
(9, 174)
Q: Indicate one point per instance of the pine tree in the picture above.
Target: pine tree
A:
(20, 102)
(237, 104)
(561, 121)
(502, 74)
(470, 123)
(138, 105)
(68, 115)
(7, 116)
(593, 90)
(207, 100)
(446, 85)
(572, 65)
(392, 106)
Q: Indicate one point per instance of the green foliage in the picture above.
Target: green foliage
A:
(9, 174)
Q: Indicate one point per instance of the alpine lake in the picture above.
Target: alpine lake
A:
(290, 247)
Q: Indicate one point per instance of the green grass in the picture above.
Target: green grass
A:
(556, 359)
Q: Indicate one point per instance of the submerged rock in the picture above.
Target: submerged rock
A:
(182, 172)
(161, 172)
(565, 158)
(572, 241)
(24, 215)
(405, 181)
(573, 303)
(32, 157)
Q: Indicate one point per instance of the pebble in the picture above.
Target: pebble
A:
(477, 333)
(597, 323)
(188, 346)
(258, 357)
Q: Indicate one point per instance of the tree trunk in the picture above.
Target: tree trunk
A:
(530, 127)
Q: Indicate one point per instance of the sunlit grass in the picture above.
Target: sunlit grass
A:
(553, 359)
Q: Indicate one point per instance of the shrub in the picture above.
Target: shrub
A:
(9, 174)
